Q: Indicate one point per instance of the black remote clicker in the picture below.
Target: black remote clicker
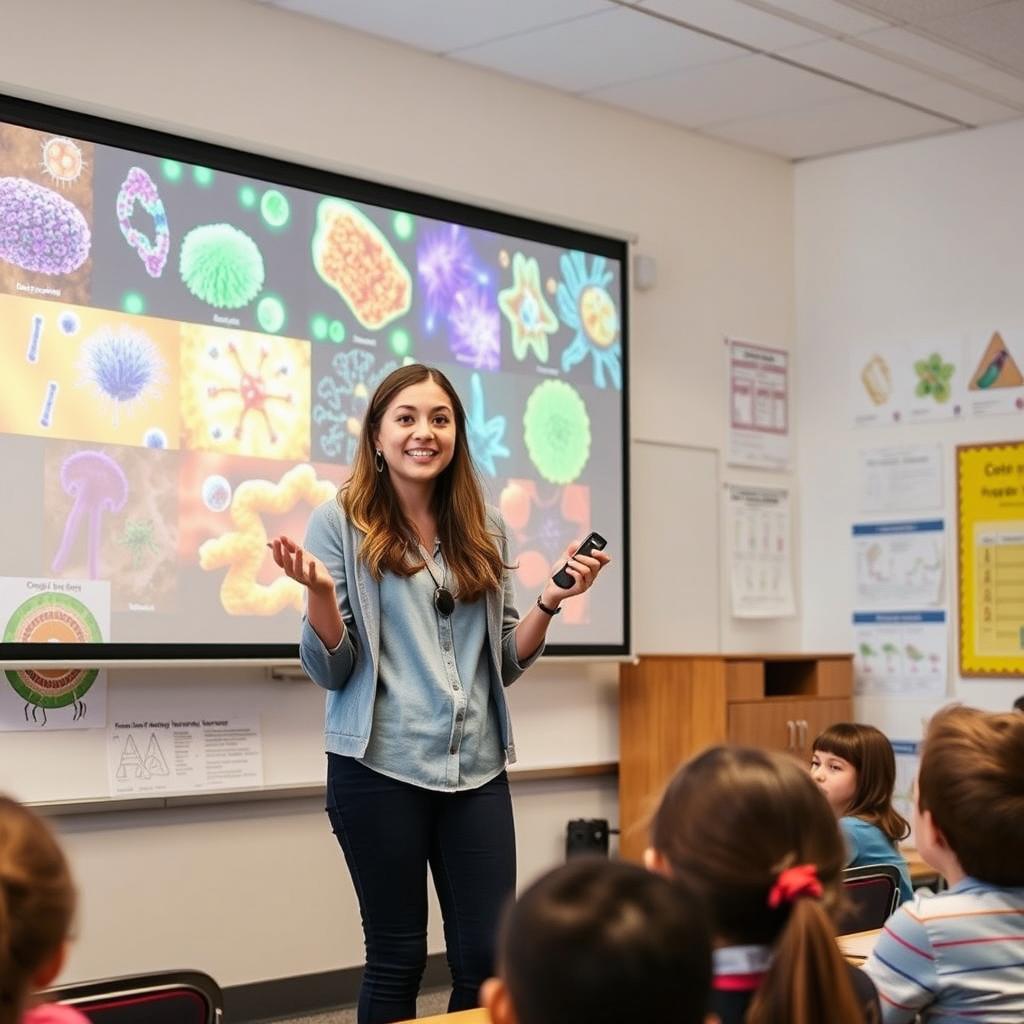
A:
(592, 542)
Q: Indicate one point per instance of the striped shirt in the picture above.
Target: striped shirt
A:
(954, 957)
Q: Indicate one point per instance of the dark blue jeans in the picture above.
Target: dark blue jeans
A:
(390, 832)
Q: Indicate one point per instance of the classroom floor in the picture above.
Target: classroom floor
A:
(430, 1002)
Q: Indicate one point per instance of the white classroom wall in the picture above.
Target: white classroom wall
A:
(897, 244)
(256, 891)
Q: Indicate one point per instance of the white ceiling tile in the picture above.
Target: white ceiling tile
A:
(442, 25)
(874, 72)
(588, 53)
(831, 14)
(995, 32)
(735, 19)
(830, 127)
(917, 12)
(725, 91)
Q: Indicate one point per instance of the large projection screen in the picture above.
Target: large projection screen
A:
(190, 335)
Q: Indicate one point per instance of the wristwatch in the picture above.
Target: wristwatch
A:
(545, 609)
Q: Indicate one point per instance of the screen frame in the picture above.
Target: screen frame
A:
(274, 170)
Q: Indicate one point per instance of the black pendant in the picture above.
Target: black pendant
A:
(443, 601)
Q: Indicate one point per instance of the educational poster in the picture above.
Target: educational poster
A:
(173, 755)
(936, 372)
(758, 406)
(874, 398)
(759, 552)
(900, 564)
(900, 654)
(990, 514)
(900, 478)
(908, 761)
(996, 384)
(51, 611)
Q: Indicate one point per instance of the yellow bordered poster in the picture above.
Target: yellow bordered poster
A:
(990, 516)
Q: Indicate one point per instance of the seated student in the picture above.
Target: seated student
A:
(856, 768)
(959, 955)
(37, 901)
(1018, 704)
(752, 834)
(601, 942)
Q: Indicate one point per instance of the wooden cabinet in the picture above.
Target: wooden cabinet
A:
(672, 706)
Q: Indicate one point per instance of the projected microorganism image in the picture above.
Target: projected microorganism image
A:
(243, 550)
(556, 431)
(154, 438)
(342, 394)
(62, 160)
(221, 265)
(475, 329)
(40, 230)
(32, 353)
(529, 316)
(446, 266)
(353, 256)
(244, 393)
(138, 537)
(68, 323)
(216, 492)
(485, 434)
(123, 365)
(275, 208)
(139, 187)
(587, 307)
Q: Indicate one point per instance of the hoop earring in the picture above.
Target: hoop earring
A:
(378, 461)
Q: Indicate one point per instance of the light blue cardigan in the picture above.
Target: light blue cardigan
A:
(349, 673)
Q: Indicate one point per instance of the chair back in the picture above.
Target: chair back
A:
(872, 894)
(170, 997)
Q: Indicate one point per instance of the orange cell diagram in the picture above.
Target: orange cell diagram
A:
(244, 549)
(352, 256)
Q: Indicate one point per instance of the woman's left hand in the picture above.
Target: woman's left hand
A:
(584, 570)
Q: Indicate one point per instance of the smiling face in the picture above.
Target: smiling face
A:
(837, 778)
(417, 434)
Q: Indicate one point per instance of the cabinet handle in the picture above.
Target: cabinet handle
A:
(802, 726)
(791, 733)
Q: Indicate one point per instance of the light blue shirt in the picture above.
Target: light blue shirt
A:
(434, 721)
(868, 844)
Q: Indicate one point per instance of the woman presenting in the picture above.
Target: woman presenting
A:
(411, 629)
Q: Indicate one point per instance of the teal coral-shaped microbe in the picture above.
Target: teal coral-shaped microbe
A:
(556, 430)
(934, 378)
(486, 434)
(526, 310)
(221, 266)
(585, 304)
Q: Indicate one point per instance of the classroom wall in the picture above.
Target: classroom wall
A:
(896, 244)
(251, 892)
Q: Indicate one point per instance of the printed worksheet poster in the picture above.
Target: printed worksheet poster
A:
(759, 551)
(900, 564)
(184, 755)
(900, 654)
(908, 761)
(758, 406)
(900, 478)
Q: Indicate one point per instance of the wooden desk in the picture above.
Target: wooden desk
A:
(857, 946)
(463, 1017)
(920, 872)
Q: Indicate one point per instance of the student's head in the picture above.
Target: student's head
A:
(971, 794)
(856, 768)
(753, 834)
(601, 942)
(1018, 704)
(37, 901)
(413, 440)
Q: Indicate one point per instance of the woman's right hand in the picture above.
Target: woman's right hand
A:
(301, 566)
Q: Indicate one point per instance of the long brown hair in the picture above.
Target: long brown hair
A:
(972, 781)
(37, 902)
(871, 754)
(370, 502)
(729, 823)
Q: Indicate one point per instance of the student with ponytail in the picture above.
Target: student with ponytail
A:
(37, 902)
(752, 833)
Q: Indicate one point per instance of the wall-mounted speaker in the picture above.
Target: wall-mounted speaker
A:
(645, 272)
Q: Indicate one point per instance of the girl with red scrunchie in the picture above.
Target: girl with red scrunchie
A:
(752, 832)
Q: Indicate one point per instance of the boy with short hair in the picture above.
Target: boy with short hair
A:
(959, 955)
(601, 942)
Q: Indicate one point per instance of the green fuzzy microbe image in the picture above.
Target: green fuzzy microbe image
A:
(336, 332)
(202, 176)
(172, 170)
(274, 208)
(247, 197)
(133, 302)
(318, 327)
(221, 266)
(404, 226)
(556, 430)
(270, 314)
(400, 342)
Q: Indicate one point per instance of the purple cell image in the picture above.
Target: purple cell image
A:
(98, 486)
(40, 230)
(445, 263)
(123, 364)
(475, 329)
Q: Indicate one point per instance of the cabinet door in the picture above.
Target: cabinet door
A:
(815, 716)
(788, 726)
